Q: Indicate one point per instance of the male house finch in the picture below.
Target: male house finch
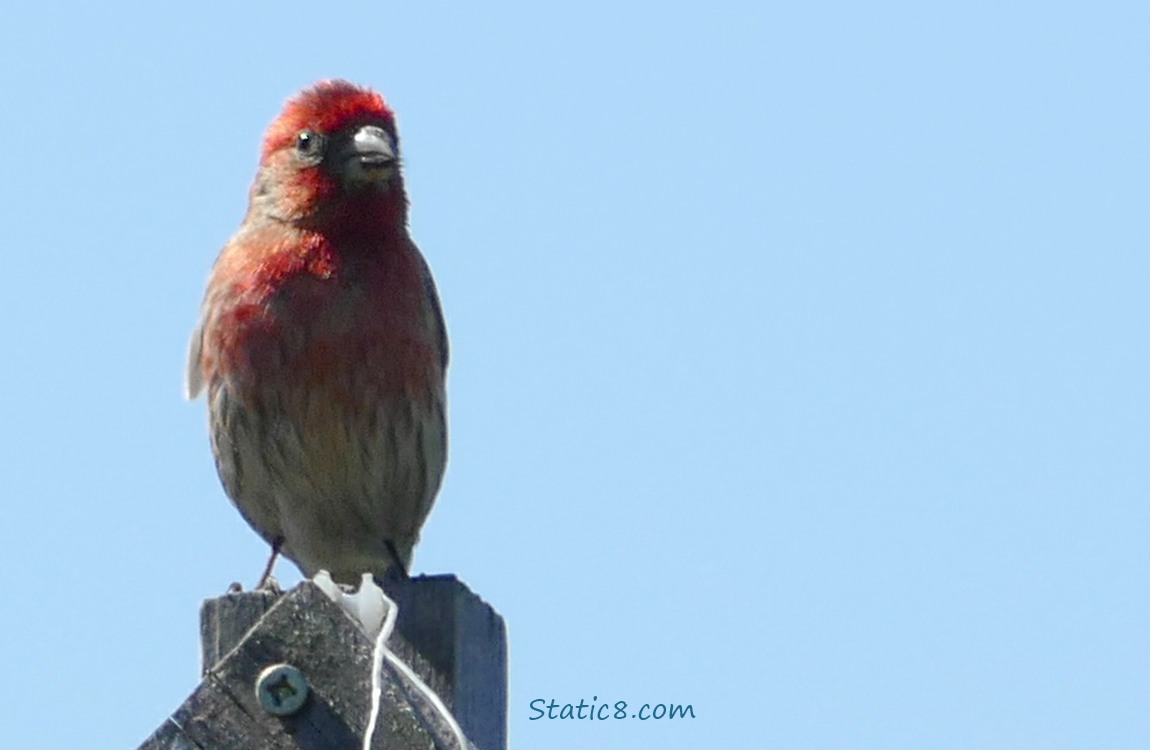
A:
(322, 345)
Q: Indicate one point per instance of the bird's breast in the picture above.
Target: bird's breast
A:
(317, 328)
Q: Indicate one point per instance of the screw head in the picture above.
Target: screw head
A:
(281, 689)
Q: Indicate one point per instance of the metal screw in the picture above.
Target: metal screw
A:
(281, 689)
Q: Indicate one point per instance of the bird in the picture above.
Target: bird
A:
(322, 347)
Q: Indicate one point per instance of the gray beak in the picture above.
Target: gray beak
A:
(370, 157)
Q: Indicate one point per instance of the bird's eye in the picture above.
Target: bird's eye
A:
(308, 144)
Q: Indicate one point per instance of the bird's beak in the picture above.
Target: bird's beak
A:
(369, 158)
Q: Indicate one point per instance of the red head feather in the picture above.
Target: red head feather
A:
(289, 190)
(326, 107)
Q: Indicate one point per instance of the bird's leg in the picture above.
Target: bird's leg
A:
(267, 574)
(399, 566)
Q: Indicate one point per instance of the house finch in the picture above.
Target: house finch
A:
(322, 345)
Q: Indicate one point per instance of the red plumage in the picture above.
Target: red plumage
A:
(322, 346)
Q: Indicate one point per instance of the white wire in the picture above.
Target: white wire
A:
(381, 652)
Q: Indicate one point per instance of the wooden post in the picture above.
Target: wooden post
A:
(448, 635)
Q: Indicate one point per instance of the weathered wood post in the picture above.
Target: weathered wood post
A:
(453, 640)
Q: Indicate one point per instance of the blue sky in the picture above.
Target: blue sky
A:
(799, 355)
